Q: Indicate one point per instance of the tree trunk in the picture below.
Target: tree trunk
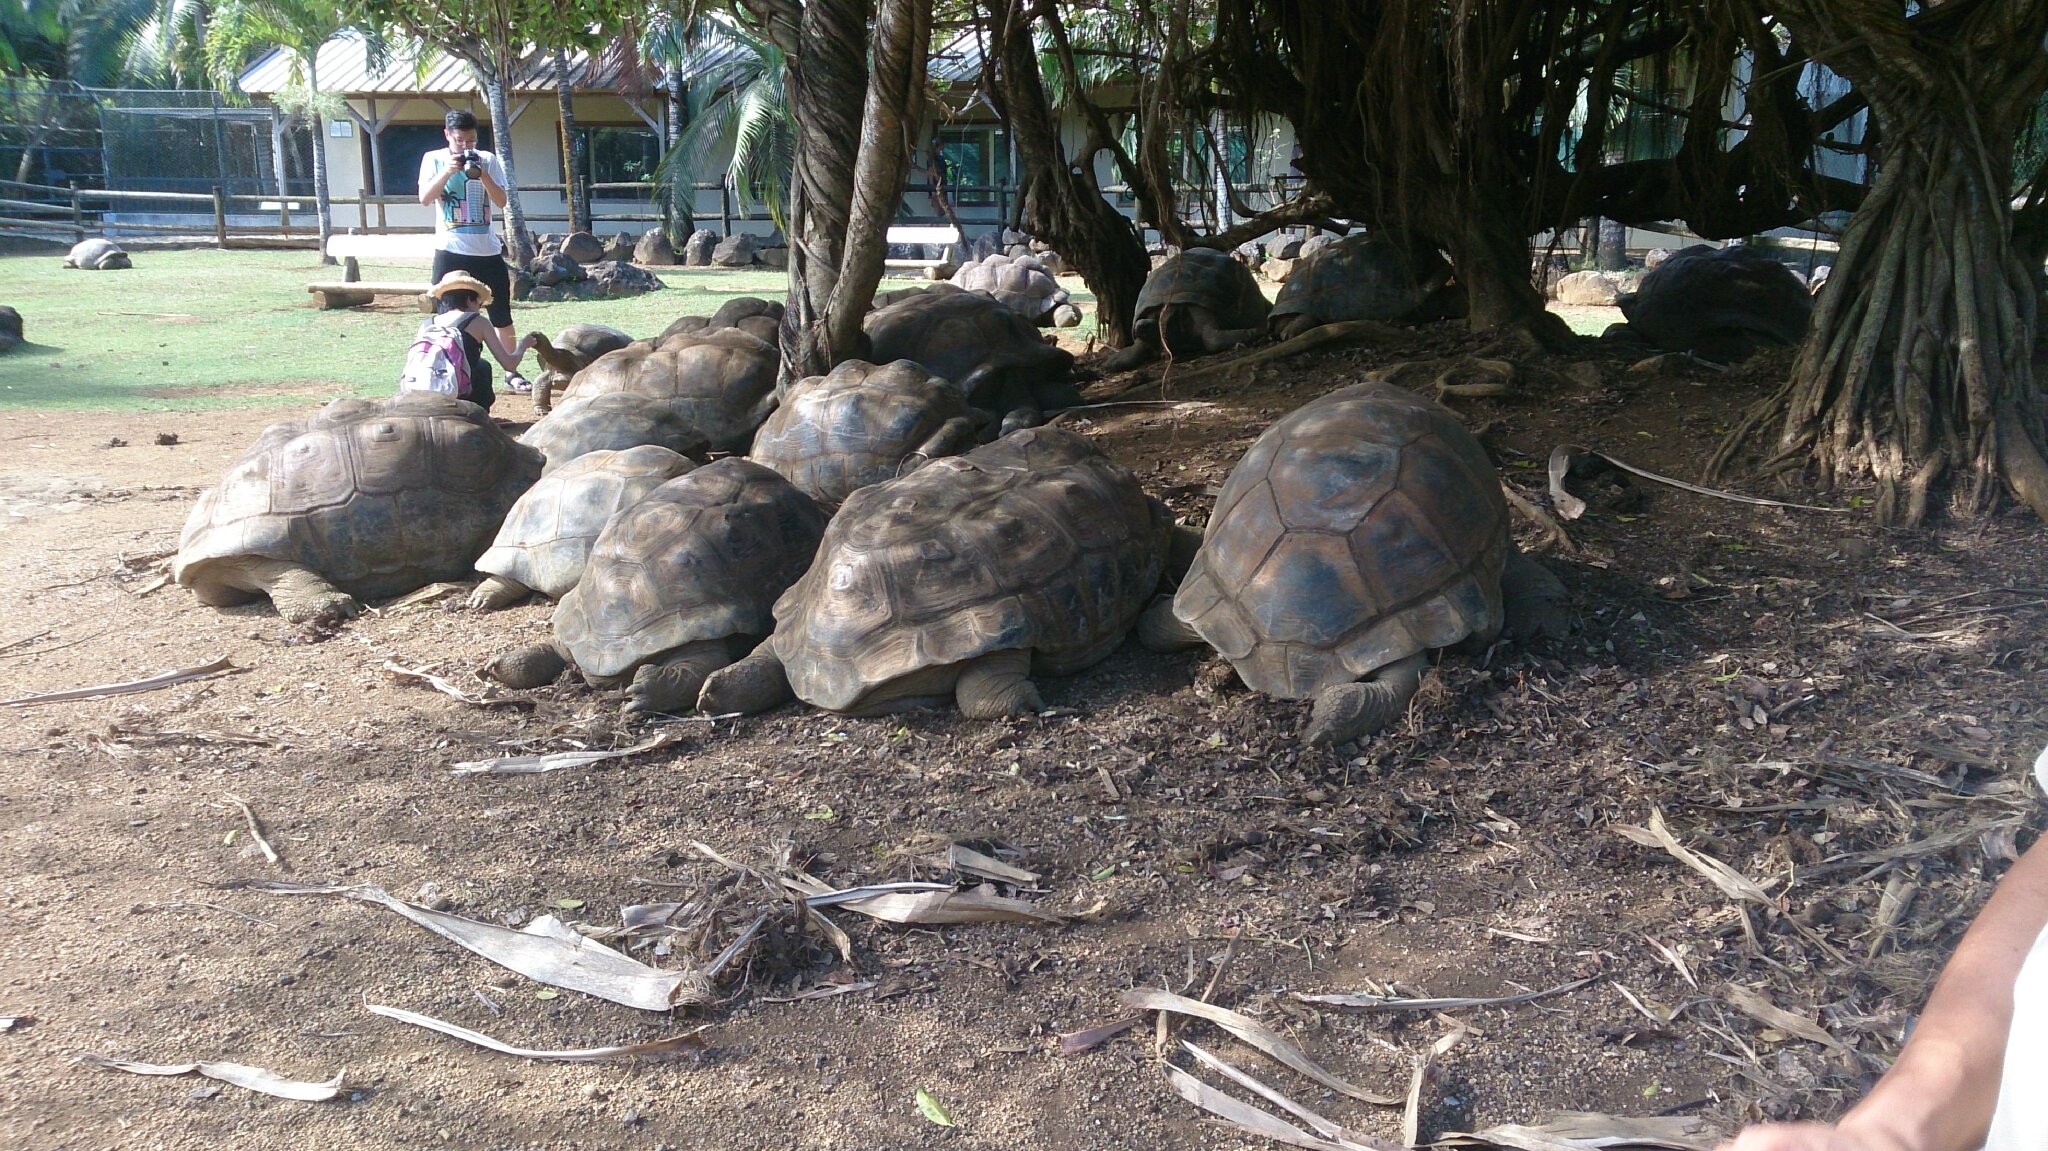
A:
(682, 196)
(826, 82)
(1061, 203)
(1610, 245)
(517, 244)
(1917, 366)
(572, 147)
(323, 204)
(1491, 257)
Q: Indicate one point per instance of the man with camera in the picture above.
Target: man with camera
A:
(465, 186)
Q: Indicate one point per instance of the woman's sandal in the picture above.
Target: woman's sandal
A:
(517, 384)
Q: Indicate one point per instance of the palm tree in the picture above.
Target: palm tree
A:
(738, 109)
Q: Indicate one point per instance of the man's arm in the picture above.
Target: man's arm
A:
(1940, 1094)
(433, 183)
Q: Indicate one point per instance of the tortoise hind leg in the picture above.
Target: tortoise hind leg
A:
(536, 666)
(299, 593)
(1535, 600)
(497, 592)
(1140, 352)
(1351, 711)
(1161, 630)
(754, 684)
(1215, 339)
(673, 683)
(998, 684)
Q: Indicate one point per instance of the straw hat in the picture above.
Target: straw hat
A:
(461, 281)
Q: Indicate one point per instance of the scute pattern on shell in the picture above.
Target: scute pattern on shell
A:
(1035, 541)
(378, 498)
(611, 421)
(1721, 304)
(1205, 278)
(701, 557)
(720, 381)
(1361, 277)
(837, 433)
(967, 338)
(1019, 283)
(1360, 529)
(548, 534)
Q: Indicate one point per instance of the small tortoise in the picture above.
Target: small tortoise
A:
(1199, 300)
(612, 421)
(958, 582)
(573, 349)
(1359, 277)
(721, 381)
(750, 314)
(996, 358)
(1022, 284)
(1359, 533)
(861, 424)
(364, 500)
(1719, 304)
(547, 534)
(97, 255)
(678, 586)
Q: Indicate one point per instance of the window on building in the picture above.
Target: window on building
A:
(974, 160)
(400, 146)
(619, 154)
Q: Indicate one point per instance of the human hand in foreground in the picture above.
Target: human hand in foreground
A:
(1846, 1136)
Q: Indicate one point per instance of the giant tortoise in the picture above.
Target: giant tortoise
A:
(1720, 304)
(677, 586)
(750, 314)
(861, 424)
(97, 255)
(1361, 277)
(958, 582)
(1199, 300)
(573, 349)
(547, 535)
(1022, 284)
(611, 421)
(364, 500)
(720, 381)
(1359, 533)
(992, 354)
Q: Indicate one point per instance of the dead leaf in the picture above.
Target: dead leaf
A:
(221, 666)
(827, 991)
(240, 1074)
(667, 1048)
(1731, 882)
(941, 907)
(255, 829)
(1251, 1031)
(545, 950)
(1323, 1127)
(971, 862)
(1397, 1003)
(1089, 1038)
(426, 595)
(556, 761)
(488, 697)
(1250, 1119)
(1754, 1004)
(1592, 1131)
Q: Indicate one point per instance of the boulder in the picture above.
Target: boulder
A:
(523, 284)
(774, 257)
(1314, 244)
(10, 328)
(1277, 270)
(1286, 248)
(1654, 257)
(559, 268)
(1013, 236)
(613, 279)
(735, 251)
(654, 250)
(620, 247)
(1587, 289)
(978, 248)
(582, 247)
(698, 248)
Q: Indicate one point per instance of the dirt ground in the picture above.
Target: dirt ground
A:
(1842, 714)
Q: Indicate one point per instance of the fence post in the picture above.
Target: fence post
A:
(589, 221)
(284, 210)
(77, 212)
(220, 216)
(725, 207)
(363, 210)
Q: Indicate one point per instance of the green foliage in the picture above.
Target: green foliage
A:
(738, 108)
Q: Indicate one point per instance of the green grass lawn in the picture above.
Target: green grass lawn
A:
(206, 329)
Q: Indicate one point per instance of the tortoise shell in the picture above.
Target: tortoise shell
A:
(98, 254)
(839, 432)
(1037, 541)
(1360, 529)
(547, 534)
(1203, 278)
(611, 421)
(751, 314)
(1721, 304)
(379, 498)
(1361, 277)
(720, 381)
(701, 557)
(967, 338)
(1019, 283)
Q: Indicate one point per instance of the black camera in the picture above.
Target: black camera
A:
(470, 161)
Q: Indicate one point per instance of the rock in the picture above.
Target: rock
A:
(698, 248)
(582, 247)
(654, 250)
(548, 242)
(611, 279)
(1017, 249)
(1284, 249)
(1277, 270)
(1655, 256)
(1587, 289)
(523, 284)
(560, 268)
(774, 257)
(978, 248)
(10, 328)
(1066, 316)
(1055, 264)
(620, 248)
(1314, 244)
(735, 251)
(1013, 236)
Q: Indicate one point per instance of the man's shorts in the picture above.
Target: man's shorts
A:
(491, 270)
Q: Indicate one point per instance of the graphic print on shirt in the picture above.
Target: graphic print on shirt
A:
(465, 205)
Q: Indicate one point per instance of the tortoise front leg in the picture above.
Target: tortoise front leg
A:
(1351, 711)
(1295, 325)
(1161, 630)
(1142, 351)
(953, 437)
(535, 666)
(497, 592)
(1215, 339)
(300, 594)
(754, 684)
(998, 684)
(672, 684)
(1535, 599)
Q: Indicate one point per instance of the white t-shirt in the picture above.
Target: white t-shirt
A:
(463, 215)
(2020, 1122)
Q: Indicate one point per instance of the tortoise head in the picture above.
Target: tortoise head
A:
(553, 358)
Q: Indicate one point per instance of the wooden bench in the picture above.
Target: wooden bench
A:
(946, 235)
(352, 291)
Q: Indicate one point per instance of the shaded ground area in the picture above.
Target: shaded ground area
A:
(1841, 714)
